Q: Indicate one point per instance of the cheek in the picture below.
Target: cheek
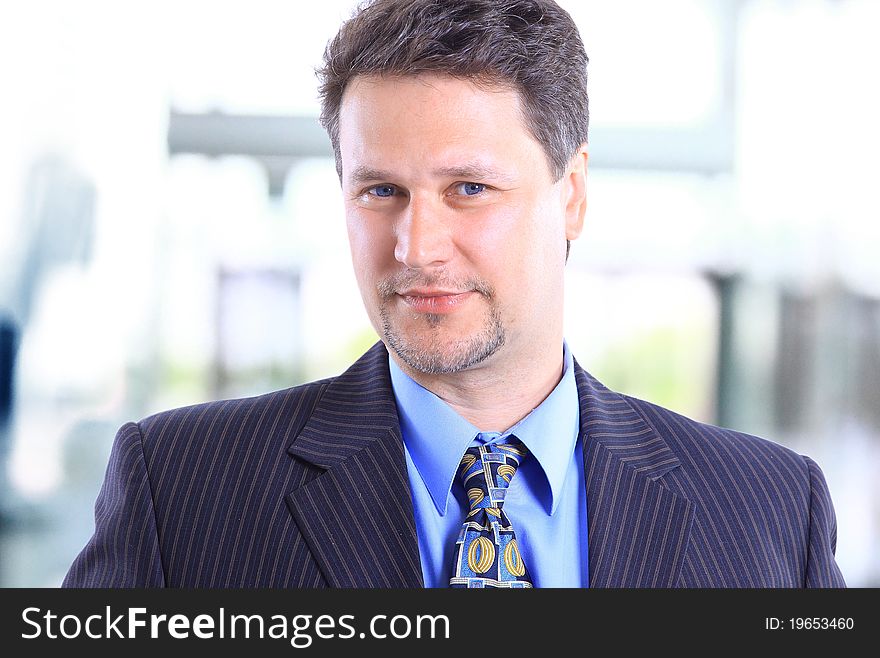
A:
(520, 237)
(528, 256)
(497, 248)
(367, 241)
(491, 234)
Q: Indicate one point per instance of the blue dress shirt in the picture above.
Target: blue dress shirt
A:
(546, 501)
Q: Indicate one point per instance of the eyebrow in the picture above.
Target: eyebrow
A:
(473, 171)
(468, 171)
(363, 174)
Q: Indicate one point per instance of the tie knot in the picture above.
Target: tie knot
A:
(486, 471)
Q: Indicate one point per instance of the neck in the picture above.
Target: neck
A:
(498, 393)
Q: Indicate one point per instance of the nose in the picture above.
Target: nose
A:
(423, 235)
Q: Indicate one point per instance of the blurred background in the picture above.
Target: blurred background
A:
(171, 232)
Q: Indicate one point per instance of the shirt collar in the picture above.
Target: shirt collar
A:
(436, 436)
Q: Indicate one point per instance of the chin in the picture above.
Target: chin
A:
(438, 355)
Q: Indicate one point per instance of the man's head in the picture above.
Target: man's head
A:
(459, 130)
(530, 46)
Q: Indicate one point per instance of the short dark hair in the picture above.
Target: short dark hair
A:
(531, 45)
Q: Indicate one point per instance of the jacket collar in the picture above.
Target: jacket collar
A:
(357, 516)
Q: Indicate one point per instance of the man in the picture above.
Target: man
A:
(467, 448)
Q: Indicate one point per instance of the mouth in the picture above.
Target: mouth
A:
(424, 300)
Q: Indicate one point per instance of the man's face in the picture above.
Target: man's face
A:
(457, 229)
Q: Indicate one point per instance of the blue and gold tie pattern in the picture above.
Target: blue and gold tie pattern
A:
(487, 554)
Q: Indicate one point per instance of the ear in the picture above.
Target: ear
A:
(575, 193)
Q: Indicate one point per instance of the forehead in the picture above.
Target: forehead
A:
(456, 90)
(436, 117)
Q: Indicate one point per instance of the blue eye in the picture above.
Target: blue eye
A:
(472, 189)
(382, 191)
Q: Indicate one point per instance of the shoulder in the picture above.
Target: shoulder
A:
(274, 417)
(719, 453)
(272, 420)
(697, 446)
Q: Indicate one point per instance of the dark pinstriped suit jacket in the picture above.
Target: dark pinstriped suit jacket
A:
(308, 487)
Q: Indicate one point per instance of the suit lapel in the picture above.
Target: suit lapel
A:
(638, 528)
(357, 516)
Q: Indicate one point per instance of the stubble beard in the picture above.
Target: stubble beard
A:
(431, 352)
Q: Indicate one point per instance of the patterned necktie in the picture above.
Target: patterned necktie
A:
(487, 554)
